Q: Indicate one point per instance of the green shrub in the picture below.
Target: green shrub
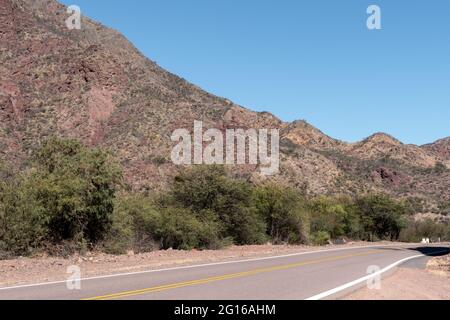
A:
(328, 216)
(135, 224)
(181, 229)
(22, 219)
(228, 201)
(200, 187)
(337, 216)
(212, 234)
(284, 213)
(141, 226)
(235, 211)
(76, 186)
(382, 217)
(65, 199)
(428, 228)
(320, 238)
(247, 227)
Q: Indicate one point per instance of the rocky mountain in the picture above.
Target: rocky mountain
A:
(440, 149)
(94, 85)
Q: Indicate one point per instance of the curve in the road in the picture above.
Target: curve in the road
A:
(354, 283)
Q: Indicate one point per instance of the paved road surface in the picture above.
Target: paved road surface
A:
(298, 276)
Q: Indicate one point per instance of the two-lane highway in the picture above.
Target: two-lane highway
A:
(316, 275)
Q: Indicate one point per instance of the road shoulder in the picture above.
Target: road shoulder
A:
(432, 283)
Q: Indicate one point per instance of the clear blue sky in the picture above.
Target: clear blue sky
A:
(304, 59)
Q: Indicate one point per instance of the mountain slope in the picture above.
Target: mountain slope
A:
(94, 85)
(440, 149)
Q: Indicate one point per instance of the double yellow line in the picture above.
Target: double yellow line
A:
(226, 277)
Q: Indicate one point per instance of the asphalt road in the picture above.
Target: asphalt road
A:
(317, 275)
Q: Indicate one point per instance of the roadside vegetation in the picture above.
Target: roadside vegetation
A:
(71, 199)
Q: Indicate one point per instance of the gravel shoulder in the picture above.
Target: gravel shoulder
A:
(45, 269)
(433, 283)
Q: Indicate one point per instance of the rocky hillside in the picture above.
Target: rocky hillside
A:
(94, 85)
(440, 149)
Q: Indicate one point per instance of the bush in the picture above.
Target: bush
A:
(246, 227)
(327, 216)
(382, 217)
(284, 213)
(141, 226)
(22, 218)
(338, 217)
(76, 186)
(65, 199)
(428, 228)
(200, 187)
(353, 227)
(135, 224)
(320, 238)
(181, 229)
(235, 211)
(228, 201)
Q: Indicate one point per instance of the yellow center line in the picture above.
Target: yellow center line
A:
(226, 277)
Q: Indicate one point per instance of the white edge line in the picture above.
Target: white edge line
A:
(366, 278)
(205, 265)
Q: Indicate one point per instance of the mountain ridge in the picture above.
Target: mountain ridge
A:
(95, 86)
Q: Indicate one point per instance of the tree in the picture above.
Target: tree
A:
(22, 218)
(135, 224)
(336, 216)
(210, 189)
(284, 213)
(200, 187)
(416, 230)
(382, 216)
(76, 186)
(181, 229)
(327, 215)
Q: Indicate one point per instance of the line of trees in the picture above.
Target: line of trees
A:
(71, 199)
